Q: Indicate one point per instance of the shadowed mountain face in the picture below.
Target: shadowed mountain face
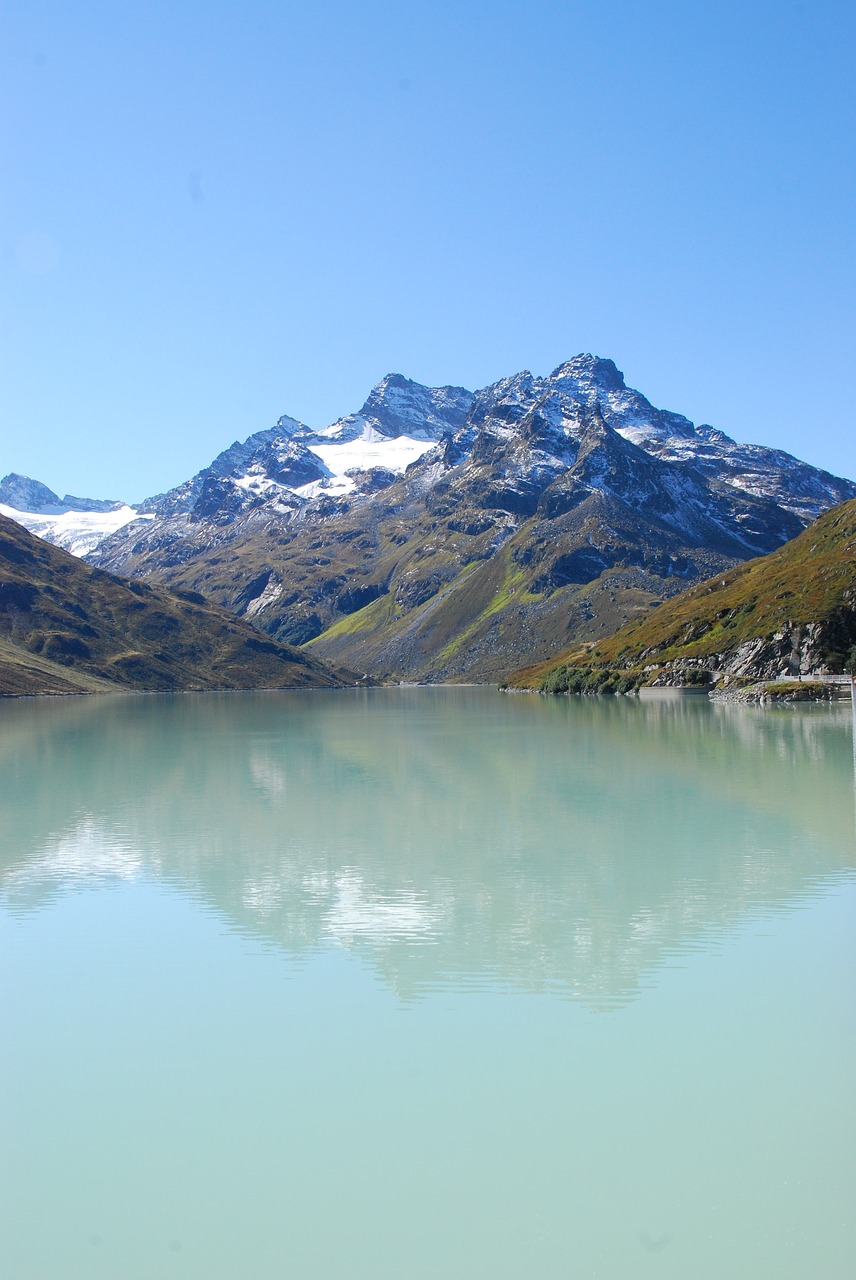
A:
(547, 510)
(444, 835)
(68, 628)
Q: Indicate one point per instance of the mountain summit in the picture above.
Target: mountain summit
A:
(399, 407)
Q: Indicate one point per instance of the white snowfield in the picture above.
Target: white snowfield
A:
(370, 450)
(76, 531)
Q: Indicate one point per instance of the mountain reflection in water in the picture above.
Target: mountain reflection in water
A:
(443, 835)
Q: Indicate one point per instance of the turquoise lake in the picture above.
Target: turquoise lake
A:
(411, 983)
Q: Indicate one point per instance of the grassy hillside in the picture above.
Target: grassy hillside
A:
(794, 609)
(68, 628)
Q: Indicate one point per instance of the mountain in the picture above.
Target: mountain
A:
(399, 407)
(442, 534)
(792, 612)
(30, 495)
(66, 627)
(77, 524)
(290, 467)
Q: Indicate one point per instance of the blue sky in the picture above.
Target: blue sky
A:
(217, 213)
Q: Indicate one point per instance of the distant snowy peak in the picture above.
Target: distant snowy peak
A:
(399, 407)
(290, 462)
(571, 391)
(268, 466)
(25, 494)
(756, 469)
(270, 444)
(22, 493)
(510, 398)
(287, 426)
(78, 525)
(400, 421)
(586, 373)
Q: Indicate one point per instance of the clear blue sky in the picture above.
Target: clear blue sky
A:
(215, 213)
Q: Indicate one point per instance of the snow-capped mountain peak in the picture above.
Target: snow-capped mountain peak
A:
(587, 372)
(78, 525)
(398, 406)
(24, 494)
(287, 426)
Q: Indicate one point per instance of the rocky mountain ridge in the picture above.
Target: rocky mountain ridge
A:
(291, 467)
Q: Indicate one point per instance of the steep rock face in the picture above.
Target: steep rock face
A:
(795, 650)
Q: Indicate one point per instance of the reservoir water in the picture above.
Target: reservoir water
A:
(399, 984)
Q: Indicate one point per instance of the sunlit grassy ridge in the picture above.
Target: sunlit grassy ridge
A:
(810, 581)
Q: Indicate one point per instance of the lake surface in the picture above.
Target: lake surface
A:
(426, 983)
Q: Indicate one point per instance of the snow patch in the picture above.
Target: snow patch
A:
(272, 592)
(370, 450)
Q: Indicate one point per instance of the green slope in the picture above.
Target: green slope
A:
(68, 628)
(794, 610)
